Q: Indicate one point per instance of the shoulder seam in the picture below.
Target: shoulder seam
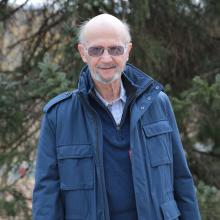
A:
(57, 99)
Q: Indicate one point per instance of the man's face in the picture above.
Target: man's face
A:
(105, 68)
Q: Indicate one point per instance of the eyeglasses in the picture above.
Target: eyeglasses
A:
(99, 50)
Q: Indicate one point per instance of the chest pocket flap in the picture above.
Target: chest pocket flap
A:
(76, 166)
(158, 142)
(74, 151)
(157, 128)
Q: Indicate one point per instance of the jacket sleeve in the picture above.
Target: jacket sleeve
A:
(46, 195)
(184, 189)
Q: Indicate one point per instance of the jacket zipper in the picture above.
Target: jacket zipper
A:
(106, 212)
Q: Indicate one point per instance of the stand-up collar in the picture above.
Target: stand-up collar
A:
(136, 77)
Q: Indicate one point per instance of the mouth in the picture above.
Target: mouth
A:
(106, 67)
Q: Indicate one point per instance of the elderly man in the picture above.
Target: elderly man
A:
(111, 150)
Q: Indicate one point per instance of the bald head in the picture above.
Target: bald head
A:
(104, 23)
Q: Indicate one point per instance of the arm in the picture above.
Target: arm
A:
(46, 195)
(184, 189)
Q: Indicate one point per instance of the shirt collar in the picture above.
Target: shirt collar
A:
(122, 96)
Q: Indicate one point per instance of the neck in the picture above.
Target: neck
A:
(109, 92)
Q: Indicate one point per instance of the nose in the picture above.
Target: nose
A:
(106, 57)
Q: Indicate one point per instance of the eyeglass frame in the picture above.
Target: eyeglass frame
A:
(107, 48)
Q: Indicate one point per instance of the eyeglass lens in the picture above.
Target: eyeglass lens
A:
(113, 51)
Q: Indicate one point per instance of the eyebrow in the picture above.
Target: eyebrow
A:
(112, 45)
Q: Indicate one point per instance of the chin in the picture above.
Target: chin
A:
(105, 78)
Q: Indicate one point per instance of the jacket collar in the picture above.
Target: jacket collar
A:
(136, 77)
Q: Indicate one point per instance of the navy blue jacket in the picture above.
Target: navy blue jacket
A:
(69, 181)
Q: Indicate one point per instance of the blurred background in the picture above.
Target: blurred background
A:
(175, 41)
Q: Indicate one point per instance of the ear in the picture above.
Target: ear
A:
(82, 52)
(129, 47)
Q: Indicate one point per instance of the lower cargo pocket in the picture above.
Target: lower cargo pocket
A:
(76, 167)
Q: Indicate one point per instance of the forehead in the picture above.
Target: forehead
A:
(105, 34)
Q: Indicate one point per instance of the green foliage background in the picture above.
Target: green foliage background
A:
(176, 42)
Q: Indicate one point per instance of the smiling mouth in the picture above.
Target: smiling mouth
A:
(106, 68)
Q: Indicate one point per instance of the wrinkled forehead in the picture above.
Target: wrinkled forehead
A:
(105, 32)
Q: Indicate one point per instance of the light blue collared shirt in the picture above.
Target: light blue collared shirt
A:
(117, 106)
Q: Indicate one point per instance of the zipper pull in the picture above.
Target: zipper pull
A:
(130, 153)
